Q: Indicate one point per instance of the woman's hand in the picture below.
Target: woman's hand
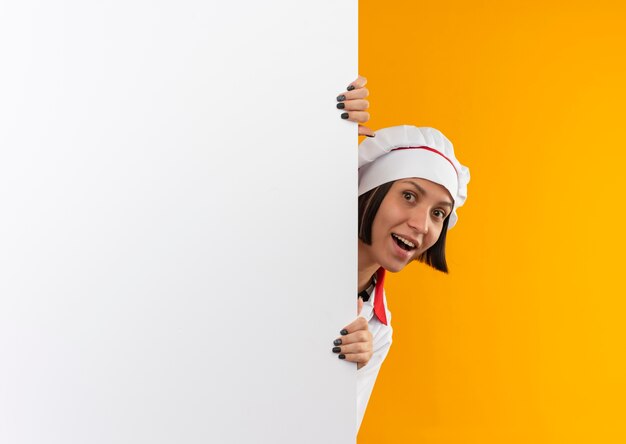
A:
(353, 102)
(355, 345)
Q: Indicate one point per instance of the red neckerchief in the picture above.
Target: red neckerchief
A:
(379, 302)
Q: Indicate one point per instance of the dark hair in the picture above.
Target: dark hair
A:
(369, 203)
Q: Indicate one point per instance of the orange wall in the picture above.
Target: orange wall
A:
(524, 341)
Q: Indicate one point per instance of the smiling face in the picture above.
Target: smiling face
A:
(408, 222)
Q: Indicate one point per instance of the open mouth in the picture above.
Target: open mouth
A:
(405, 244)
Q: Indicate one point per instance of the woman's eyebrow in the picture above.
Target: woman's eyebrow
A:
(423, 191)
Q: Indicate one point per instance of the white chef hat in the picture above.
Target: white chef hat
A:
(404, 151)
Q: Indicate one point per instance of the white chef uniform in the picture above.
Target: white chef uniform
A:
(395, 153)
(381, 333)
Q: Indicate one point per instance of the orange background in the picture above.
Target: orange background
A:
(524, 341)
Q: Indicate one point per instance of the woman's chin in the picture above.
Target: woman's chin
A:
(394, 266)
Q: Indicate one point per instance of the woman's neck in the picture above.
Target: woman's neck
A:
(367, 267)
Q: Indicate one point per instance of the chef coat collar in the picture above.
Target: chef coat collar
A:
(377, 287)
(367, 293)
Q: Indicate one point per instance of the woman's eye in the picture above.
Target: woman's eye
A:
(440, 214)
(408, 196)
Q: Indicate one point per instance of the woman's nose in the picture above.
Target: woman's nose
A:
(419, 221)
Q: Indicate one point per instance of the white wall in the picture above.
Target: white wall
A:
(177, 226)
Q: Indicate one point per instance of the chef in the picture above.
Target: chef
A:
(410, 186)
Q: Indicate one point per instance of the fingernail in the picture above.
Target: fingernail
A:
(341, 105)
(337, 342)
(373, 135)
(350, 88)
(341, 98)
(344, 116)
(344, 332)
(336, 349)
(342, 356)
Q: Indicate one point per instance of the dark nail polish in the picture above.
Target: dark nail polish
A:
(342, 356)
(344, 116)
(344, 332)
(341, 98)
(350, 88)
(337, 342)
(341, 105)
(336, 349)
(371, 136)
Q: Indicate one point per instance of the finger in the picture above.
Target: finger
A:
(365, 131)
(353, 338)
(354, 105)
(357, 347)
(356, 116)
(359, 306)
(360, 93)
(360, 323)
(360, 82)
(357, 357)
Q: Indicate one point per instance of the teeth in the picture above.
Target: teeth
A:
(405, 241)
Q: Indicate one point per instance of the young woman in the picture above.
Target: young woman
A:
(410, 186)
